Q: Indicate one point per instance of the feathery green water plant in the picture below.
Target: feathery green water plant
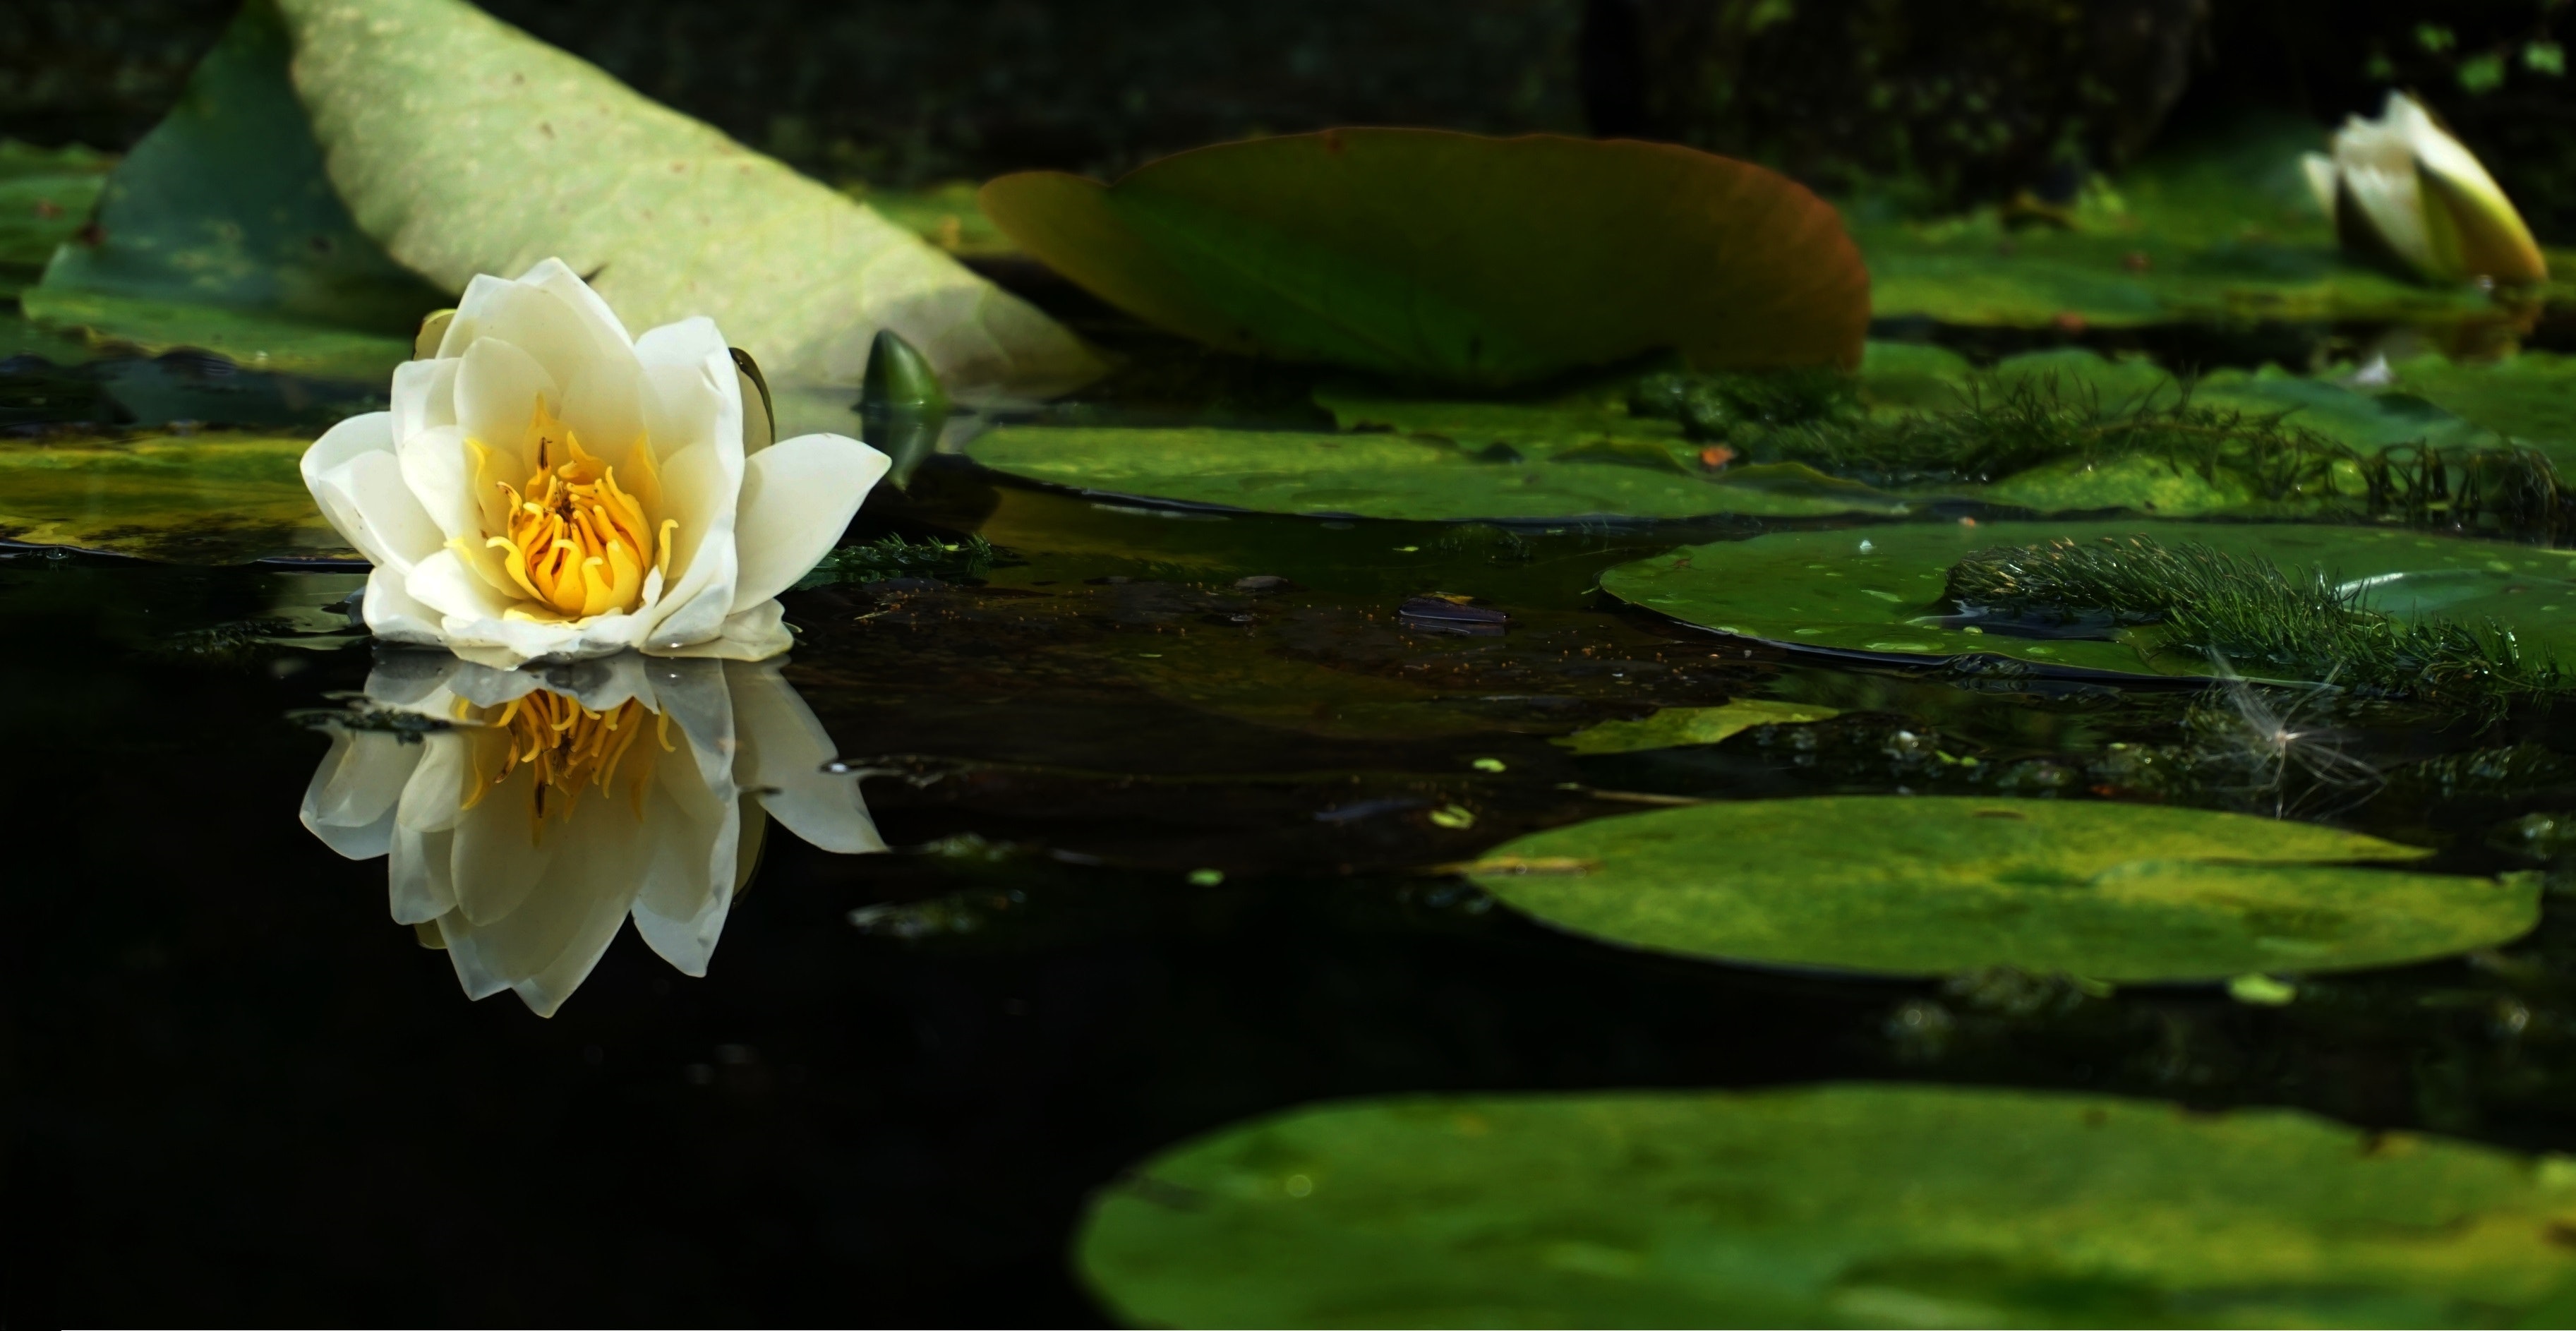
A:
(2247, 610)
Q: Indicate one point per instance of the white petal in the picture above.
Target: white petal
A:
(440, 473)
(687, 885)
(557, 279)
(797, 498)
(2320, 172)
(547, 947)
(698, 491)
(444, 584)
(390, 526)
(756, 634)
(498, 387)
(783, 752)
(326, 467)
(350, 802)
(394, 616)
(424, 396)
(689, 342)
(417, 886)
(603, 403)
(500, 854)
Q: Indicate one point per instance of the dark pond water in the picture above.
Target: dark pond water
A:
(1160, 790)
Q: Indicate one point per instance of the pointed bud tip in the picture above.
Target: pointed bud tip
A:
(900, 378)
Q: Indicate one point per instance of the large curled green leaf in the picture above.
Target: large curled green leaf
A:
(220, 231)
(1456, 258)
(2220, 229)
(45, 196)
(1424, 477)
(466, 147)
(1842, 1205)
(1922, 885)
(1875, 589)
(207, 498)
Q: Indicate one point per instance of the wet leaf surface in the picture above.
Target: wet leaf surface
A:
(1828, 1206)
(195, 498)
(1935, 885)
(1879, 591)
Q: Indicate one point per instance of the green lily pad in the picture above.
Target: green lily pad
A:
(2222, 229)
(1840, 1205)
(466, 146)
(220, 231)
(205, 498)
(1455, 258)
(1424, 477)
(2530, 396)
(1876, 589)
(1674, 726)
(45, 198)
(1921, 885)
(255, 339)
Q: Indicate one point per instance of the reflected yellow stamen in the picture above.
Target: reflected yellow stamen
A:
(574, 541)
(569, 748)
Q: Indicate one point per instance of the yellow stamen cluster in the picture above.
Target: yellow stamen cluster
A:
(569, 747)
(575, 543)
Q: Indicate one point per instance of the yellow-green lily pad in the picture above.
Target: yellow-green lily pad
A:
(1671, 727)
(1838, 1205)
(1924, 885)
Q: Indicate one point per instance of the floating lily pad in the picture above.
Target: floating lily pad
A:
(1424, 477)
(221, 231)
(201, 498)
(1674, 726)
(45, 198)
(1876, 590)
(1919, 885)
(2217, 230)
(2531, 396)
(467, 147)
(1457, 258)
(1849, 1205)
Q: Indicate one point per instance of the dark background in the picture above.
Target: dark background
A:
(1935, 104)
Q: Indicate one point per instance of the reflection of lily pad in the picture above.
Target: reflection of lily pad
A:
(1876, 589)
(220, 231)
(1924, 886)
(1426, 477)
(202, 498)
(1674, 726)
(1454, 257)
(1855, 1205)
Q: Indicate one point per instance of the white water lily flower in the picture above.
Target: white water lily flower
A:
(555, 803)
(2402, 185)
(548, 488)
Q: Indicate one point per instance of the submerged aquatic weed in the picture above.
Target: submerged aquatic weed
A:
(1715, 407)
(2237, 608)
(2285, 752)
(892, 557)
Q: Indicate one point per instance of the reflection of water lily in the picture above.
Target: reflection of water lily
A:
(2403, 186)
(554, 804)
(548, 487)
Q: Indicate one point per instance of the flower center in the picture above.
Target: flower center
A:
(573, 541)
(568, 748)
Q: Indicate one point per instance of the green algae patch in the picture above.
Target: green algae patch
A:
(1836, 1205)
(1879, 590)
(208, 499)
(1922, 885)
(1672, 727)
